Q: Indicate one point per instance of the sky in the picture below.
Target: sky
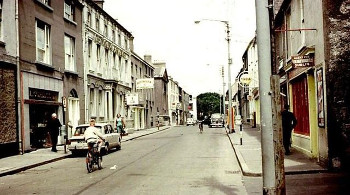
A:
(193, 53)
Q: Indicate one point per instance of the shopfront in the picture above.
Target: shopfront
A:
(42, 96)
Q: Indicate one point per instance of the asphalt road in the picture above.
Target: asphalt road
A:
(176, 161)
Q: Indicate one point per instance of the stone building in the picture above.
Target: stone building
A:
(107, 62)
(141, 109)
(51, 66)
(313, 62)
(161, 94)
(9, 73)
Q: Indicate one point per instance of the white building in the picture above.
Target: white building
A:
(173, 101)
(193, 107)
(107, 64)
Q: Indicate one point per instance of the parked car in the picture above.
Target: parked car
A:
(190, 121)
(78, 144)
(216, 120)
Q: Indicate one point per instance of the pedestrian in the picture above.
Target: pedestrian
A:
(288, 123)
(53, 126)
(120, 124)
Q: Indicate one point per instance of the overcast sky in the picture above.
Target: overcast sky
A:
(193, 52)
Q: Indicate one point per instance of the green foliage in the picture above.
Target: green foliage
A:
(208, 103)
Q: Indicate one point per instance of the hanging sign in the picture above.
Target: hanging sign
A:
(145, 83)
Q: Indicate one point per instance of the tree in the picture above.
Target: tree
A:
(208, 103)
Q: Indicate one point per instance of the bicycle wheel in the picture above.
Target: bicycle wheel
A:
(89, 165)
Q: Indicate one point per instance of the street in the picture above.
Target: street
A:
(176, 161)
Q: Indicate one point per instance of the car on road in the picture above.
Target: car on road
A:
(216, 120)
(78, 144)
(190, 121)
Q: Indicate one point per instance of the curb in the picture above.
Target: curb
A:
(244, 168)
(17, 170)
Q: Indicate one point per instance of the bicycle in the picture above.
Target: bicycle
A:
(93, 157)
(200, 126)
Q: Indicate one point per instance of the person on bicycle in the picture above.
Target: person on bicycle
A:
(92, 136)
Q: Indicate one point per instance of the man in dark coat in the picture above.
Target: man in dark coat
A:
(53, 126)
(288, 123)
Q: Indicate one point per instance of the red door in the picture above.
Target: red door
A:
(301, 105)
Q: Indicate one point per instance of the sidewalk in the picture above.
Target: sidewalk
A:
(250, 158)
(14, 164)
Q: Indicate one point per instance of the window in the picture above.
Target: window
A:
(89, 52)
(89, 18)
(97, 23)
(69, 48)
(119, 39)
(114, 61)
(125, 43)
(98, 55)
(0, 19)
(68, 10)
(113, 35)
(106, 58)
(46, 2)
(105, 30)
(43, 42)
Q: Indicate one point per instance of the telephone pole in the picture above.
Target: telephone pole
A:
(272, 155)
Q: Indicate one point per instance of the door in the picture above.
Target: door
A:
(301, 105)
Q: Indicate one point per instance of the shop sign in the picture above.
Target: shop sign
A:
(64, 102)
(145, 83)
(41, 94)
(132, 99)
(303, 61)
(244, 78)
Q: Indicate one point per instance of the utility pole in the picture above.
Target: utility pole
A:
(272, 157)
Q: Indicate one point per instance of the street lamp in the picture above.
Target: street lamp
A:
(228, 39)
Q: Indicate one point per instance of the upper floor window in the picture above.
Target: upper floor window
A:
(125, 43)
(113, 35)
(89, 52)
(98, 55)
(68, 10)
(106, 58)
(43, 42)
(119, 39)
(89, 18)
(69, 48)
(105, 30)
(97, 23)
(46, 2)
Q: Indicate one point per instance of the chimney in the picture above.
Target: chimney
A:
(99, 3)
(148, 59)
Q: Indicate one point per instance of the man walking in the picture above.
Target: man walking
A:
(53, 126)
(288, 123)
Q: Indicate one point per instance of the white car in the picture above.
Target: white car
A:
(190, 121)
(77, 141)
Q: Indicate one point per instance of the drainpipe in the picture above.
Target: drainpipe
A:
(20, 102)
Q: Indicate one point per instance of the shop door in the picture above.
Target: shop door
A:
(301, 105)
(39, 114)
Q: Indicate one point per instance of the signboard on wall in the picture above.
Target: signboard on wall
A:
(303, 61)
(147, 83)
(320, 99)
(132, 99)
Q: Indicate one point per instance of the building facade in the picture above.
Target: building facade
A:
(161, 94)
(107, 62)
(142, 108)
(173, 101)
(9, 73)
(50, 66)
(309, 37)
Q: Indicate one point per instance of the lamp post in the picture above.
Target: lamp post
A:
(229, 62)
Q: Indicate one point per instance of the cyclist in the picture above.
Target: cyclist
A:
(92, 136)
